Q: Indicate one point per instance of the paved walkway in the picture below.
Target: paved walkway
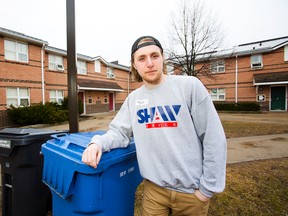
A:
(257, 148)
(239, 149)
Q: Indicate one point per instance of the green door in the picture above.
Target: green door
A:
(278, 95)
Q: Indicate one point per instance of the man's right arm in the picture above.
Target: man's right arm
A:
(92, 155)
(118, 136)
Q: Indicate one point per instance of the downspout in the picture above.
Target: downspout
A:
(42, 74)
(84, 102)
(128, 83)
(236, 80)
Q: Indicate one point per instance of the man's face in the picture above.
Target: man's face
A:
(148, 61)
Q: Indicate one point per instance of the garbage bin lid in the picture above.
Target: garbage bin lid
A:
(25, 131)
(12, 137)
(63, 158)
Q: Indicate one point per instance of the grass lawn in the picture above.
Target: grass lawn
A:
(252, 188)
(241, 129)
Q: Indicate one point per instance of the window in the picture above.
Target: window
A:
(286, 53)
(256, 61)
(217, 94)
(17, 96)
(218, 66)
(56, 96)
(97, 65)
(81, 67)
(110, 73)
(56, 63)
(16, 51)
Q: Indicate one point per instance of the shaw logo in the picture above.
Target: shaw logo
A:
(160, 116)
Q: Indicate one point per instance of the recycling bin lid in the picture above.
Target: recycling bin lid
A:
(63, 158)
(72, 146)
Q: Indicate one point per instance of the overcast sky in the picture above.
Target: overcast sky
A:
(109, 27)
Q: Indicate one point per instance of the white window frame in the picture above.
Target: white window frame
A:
(55, 62)
(286, 53)
(97, 66)
(81, 67)
(110, 73)
(217, 66)
(18, 97)
(17, 52)
(256, 61)
(57, 97)
(218, 94)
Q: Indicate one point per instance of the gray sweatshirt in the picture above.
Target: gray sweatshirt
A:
(180, 142)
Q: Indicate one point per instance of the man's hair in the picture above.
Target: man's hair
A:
(142, 42)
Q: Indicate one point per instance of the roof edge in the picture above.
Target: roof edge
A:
(17, 35)
(272, 39)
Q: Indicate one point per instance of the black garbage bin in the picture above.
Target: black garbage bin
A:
(23, 192)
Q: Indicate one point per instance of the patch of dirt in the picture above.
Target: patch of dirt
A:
(280, 139)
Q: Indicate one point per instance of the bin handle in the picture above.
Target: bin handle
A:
(59, 135)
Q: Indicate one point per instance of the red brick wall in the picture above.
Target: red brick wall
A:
(272, 62)
(29, 75)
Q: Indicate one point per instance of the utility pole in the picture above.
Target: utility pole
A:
(72, 68)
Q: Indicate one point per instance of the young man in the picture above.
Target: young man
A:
(180, 142)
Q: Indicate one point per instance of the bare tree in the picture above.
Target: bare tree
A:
(194, 38)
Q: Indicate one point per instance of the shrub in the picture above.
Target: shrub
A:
(241, 106)
(48, 113)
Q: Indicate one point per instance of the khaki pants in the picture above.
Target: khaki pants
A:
(158, 201)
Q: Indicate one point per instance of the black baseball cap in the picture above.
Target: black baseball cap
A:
(154, 41)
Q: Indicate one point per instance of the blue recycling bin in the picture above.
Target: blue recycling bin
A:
(78, 189)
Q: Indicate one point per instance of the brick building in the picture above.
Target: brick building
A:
(33, 72)
(252, 72)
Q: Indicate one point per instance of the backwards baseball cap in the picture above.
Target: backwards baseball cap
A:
(152, 41)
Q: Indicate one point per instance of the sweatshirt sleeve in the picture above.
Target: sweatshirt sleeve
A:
(211, 134)
(119, 133)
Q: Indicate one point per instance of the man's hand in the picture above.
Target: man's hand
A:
(201, 196)
(92, 155)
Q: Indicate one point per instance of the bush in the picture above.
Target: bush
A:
(48, 113)
(242, 106)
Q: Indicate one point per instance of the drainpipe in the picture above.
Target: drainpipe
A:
(42, 74)
(84, 102)
(128, 83)
(236, 80)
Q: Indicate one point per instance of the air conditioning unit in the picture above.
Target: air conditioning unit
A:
(256, 65)
(60, 67)
(111, 75)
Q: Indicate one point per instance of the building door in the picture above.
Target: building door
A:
(111, 102)
(278, 95)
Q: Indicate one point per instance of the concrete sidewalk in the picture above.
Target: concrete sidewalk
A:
(257, 147)
(239, 149)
